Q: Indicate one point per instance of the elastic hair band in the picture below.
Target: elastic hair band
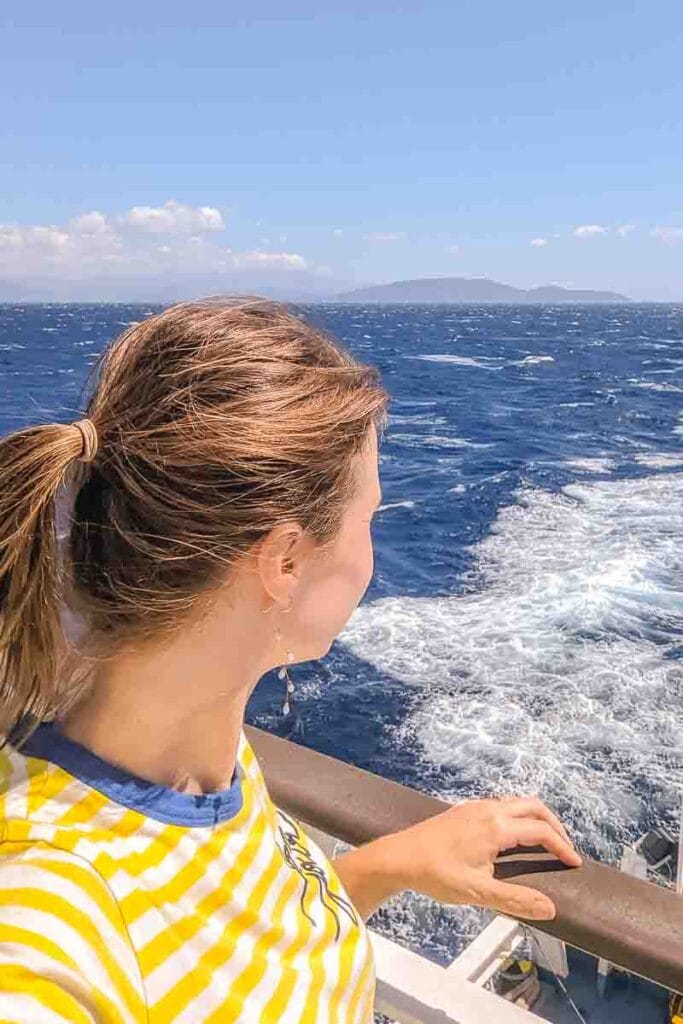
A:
(88, 432)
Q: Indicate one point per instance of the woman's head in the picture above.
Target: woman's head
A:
(233, 439)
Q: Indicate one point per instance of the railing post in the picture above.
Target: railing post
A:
(549, 953)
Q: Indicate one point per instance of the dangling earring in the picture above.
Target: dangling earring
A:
(283, 672)
(289, 685)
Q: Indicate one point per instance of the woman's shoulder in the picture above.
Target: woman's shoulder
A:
(62, 876)
(61, 925)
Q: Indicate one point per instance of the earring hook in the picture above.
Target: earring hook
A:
(285, 611)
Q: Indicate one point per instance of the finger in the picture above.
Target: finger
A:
(517, 901)
(531, 832)
(532, 807)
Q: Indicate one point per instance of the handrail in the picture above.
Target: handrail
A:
(634, 924)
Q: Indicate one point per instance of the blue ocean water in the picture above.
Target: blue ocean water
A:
(524, 628)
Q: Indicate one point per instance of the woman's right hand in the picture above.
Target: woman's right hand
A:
(451, 857)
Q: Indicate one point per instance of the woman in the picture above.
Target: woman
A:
(223, 487)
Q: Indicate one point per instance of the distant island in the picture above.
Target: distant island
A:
(472, 289)
(293, 286)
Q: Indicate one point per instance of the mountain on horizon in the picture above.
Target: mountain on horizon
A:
(472, 289)
(294, 286)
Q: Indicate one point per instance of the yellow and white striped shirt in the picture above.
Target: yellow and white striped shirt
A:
(122, 901)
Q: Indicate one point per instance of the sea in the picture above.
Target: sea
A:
(524, 629)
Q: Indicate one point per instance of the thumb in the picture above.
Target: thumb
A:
(517, 901)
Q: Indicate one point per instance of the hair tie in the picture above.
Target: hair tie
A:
(88, 432)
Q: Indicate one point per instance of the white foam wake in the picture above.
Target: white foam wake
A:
(591, 465)
(553, 672)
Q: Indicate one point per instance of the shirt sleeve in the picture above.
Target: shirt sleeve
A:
(65, 955)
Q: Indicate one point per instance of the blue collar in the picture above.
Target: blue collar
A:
(148, 798)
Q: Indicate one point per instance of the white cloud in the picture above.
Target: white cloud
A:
(668, 234)
(93, 223)
(453, 249)
(174, 218)
(172, 238)
(625, 229)
(586, 230)
(338, 231)
(282, 260)
(539, 243)
(385, 236)
(41, 239)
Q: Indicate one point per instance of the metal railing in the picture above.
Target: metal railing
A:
(631, 923)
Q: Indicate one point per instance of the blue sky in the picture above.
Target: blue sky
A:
(354, 142)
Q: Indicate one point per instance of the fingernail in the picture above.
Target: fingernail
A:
(543, 911)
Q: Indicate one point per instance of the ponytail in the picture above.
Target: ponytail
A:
(34, 464)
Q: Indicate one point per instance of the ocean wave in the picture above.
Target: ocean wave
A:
(555, 671)
(651, 385)
(396, 504)
(482, 363)
(436, 441)
(532, 360)
(591, 465)
(660, 460)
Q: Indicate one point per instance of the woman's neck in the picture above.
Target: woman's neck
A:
(173, 714)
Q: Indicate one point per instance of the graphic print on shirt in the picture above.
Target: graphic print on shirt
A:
(298, 856)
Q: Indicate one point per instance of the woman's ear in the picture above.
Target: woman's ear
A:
(280, 560)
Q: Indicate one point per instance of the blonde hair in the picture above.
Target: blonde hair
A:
(214, 422)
